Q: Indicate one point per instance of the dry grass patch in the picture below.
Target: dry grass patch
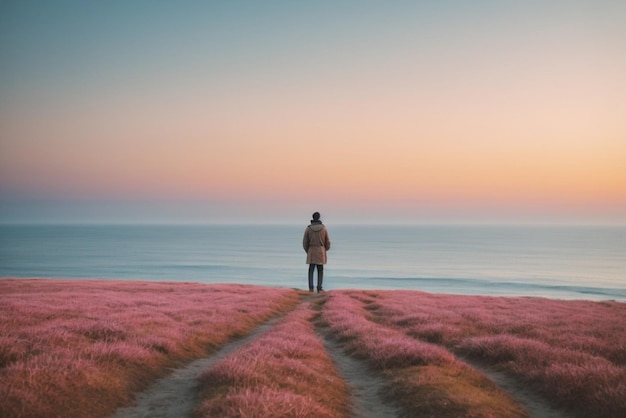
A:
(435, 391)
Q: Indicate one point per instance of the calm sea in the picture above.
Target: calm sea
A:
(557, 262)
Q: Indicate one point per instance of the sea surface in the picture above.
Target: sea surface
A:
(581, 262)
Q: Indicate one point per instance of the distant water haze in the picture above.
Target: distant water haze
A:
(550, 261)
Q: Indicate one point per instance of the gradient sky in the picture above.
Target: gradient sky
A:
(264, 111)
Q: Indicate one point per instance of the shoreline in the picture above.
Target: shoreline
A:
(563, 263)
(594, 294)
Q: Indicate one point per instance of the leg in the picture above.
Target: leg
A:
(311, 270)
(320, 276)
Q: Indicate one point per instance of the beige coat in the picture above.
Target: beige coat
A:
(316, 242)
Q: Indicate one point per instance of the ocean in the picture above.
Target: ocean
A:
(565, 262)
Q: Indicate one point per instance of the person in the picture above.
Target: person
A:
(316, 242)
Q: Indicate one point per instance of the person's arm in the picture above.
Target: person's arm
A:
(305, 240)
(327, 241)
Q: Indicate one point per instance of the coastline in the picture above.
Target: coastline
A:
(564, 262)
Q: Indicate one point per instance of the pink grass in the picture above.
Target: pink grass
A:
(425, 379)
(573, 352)
(284, 373)
(82, 348)
(381, 346)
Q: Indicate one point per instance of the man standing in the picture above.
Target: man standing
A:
(316, 242)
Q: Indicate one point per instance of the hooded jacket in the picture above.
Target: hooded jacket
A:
(316, 242)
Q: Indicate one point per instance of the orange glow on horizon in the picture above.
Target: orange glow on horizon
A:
(510, 105)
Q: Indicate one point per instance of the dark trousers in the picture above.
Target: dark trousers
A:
(320, 275)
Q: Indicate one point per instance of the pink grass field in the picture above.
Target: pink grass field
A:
(422, 376)
(572, 352)
(82, 348)
(285, 372)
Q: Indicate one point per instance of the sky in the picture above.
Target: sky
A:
(265, 111)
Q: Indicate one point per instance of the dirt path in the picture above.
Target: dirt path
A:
(535, 405)
(176, 395)
(365, 387)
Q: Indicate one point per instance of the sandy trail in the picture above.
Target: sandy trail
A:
(365, 387)
(535, 405)
(176, 395)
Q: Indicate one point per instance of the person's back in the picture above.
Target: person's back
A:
(316, 242)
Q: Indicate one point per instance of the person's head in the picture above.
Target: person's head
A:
(316, 216)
